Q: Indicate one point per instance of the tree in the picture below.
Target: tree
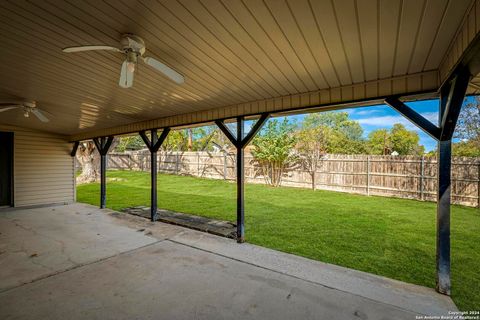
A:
(338, 121)
(379, 142)
(89, 159)
(193, 139)
(203, 137)
(133, 142)
(176, 140)
(398, 138)
(312, 144)
(404, 141)
(273, 150)
(468, 128)
(465, 149)
(345, 136)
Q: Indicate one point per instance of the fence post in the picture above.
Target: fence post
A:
(422, 172)
(224, 165)
(368, 175)
(176, 162)
(198, 164)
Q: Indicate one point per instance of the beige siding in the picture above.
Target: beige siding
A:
(43, 168)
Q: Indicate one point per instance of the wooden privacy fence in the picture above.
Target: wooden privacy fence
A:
(394, 176)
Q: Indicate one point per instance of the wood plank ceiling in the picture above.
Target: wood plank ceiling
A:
(230, 51)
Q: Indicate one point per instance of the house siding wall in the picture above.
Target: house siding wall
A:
(43, 168)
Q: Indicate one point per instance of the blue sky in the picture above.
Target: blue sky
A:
(383, 116)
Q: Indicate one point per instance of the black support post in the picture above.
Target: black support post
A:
(452, 94)
(240, 141)
(153, 144)
(153, 178)
(443, 217)
(103, 181)
(103, 145)
(240, 182)
(451, 100)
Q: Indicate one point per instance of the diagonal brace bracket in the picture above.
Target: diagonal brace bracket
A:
(155, 143)
(456, 93)
(227, 132)
(414, 117)
(103, 144)
(74, 148)
(240, 142)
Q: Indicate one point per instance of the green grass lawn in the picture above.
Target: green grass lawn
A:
(386, 236)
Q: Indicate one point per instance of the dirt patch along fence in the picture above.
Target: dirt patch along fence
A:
(394, 176)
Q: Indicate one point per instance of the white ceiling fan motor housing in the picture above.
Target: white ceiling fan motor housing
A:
(133, 43)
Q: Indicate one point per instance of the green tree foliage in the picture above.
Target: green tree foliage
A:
(404, 141)
(194, 139)
(338, 121)
(468, 130)
(133, 142)
(398, 139)
(176, 141)
(273, 149)
(345, 136)
(379, 142)
(465, 149)
(312, 145)
(191, 139)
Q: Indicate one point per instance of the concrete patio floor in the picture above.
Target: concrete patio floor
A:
(80, 262)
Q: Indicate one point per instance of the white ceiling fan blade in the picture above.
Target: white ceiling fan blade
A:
(166, 70)
(126, 76)
(39, 115)
(10, 107)
(90, 48)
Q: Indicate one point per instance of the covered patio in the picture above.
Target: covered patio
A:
(197, 63)
(77, 262)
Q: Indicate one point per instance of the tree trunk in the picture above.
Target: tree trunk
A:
(190, 139)
(314, 181)
(89, 159)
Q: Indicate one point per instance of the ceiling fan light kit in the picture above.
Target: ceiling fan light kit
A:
(133, 47)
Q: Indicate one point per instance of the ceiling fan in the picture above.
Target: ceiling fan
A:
(133, 47)
(27, 107)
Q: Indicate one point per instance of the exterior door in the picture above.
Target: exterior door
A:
(6, 168)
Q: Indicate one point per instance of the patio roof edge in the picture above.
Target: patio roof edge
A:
(424, 84)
